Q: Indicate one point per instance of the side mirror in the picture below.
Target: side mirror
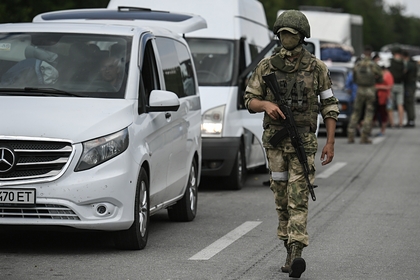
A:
(161, 101)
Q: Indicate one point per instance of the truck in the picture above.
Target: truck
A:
(333, 26)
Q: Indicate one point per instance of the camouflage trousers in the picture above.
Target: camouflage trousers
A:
(290, 194)
(363, 105)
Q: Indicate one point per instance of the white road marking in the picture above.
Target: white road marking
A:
(331, 170)
(225, 241)
(377, 140)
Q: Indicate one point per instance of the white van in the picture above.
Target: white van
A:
(236, 32)
(101, 126)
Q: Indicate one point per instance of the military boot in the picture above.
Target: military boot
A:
(298, 265)
(350, 137)
(286, 267)
(364, 139)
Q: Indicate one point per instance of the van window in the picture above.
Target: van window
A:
(177, 67)
(310, 47)
(213, 60)
(255, 50)
(149, 79)
(76, 64)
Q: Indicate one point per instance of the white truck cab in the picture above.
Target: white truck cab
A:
(103, 126)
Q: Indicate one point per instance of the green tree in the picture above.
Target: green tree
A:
(382, 25)
(25, 10)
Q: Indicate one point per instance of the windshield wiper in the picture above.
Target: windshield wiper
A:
(50, 90)
(42, 91)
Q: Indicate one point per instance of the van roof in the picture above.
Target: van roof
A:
(177, 22)
(222, 16)
(70, 27)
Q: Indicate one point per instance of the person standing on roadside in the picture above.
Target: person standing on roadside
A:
(409, 80)
(397, 69)
(302, 78)
(383, 91)
(366, 73)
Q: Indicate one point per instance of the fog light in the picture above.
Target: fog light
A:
(215, 164)
(101, 209)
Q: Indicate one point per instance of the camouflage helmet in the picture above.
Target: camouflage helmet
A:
(293, 19)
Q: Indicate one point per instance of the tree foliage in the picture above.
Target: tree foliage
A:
(382, 25)
(26, 10)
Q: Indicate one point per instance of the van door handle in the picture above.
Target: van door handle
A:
(168, 115)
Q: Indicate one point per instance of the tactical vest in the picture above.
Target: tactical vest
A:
(363, 73)
(297, 90)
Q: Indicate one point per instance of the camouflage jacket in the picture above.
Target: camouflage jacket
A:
(302, 82)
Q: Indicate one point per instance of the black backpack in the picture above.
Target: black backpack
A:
(397, 70)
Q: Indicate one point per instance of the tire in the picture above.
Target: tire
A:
(237, 177)
(185, 209)
(344, 131)
(135, 238)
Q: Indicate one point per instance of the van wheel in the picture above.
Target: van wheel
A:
(185, 209)
(344, 131)
(236, 179)
(135, 238)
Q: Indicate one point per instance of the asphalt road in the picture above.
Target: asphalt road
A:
(364, 224)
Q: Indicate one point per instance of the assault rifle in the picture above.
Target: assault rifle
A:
(290, 130)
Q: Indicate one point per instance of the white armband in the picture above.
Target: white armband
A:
(326, 94)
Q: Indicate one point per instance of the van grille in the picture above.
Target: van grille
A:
(40, 211)
(36, 159)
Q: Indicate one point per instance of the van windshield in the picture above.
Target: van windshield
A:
(67, 64)
(213, 60)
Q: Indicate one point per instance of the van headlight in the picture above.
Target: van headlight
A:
(101, 149)
(212, 122)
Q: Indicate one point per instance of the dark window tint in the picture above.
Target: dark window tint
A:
(310, 47)
(149, 76)
(87, 65)
(177, 67)
(254, 51)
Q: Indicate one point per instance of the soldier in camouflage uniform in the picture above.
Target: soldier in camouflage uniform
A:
(302, 78)
(365, 79)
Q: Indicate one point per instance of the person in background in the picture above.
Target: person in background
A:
(383, 91)
(351, 87)
(397, 69)
(111, 70)
(366, 74)
(409, 80)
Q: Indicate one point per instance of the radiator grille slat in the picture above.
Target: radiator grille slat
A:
(40, 211)
(36, 159)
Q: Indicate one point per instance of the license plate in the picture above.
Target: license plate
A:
(17, 196)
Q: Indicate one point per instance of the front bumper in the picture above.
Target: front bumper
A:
(219, 155)
(101, 198)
